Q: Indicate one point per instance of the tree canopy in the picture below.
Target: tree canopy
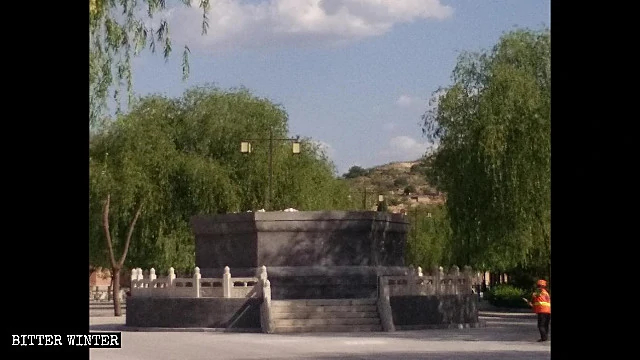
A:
(428, 241)
(118, 31)
(181, 157)
(354, 172)
(493, 161)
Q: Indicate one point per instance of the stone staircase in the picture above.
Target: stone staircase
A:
(325, 315)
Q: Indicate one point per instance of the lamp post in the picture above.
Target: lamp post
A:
(365, 191)
(245, 148)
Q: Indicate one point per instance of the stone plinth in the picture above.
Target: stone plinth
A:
(305, 238)
(308, 254)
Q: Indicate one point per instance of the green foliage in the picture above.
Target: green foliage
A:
(180, 157)
(493, 162)
(429, 236)
(525, 278)
(409, 190)
(118, 31)
(401, 181)
(419, 169)
(354, 172)
(508, 296)
(382, 206)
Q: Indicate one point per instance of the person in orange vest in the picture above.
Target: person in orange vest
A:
(541, 304)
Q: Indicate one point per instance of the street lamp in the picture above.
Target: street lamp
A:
(245, 148)
(364, 197)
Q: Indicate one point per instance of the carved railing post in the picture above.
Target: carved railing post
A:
(196, 281)
(226, 283)
(454, 280)
(262, 275)
(265, 308)
(171, 277)
(152, 278)
(134, 281)
(140, 277)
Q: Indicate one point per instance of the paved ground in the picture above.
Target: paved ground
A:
(506, 336)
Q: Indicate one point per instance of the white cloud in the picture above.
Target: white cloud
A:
(326, 148)
(407, 100)
(234, 24)
(404, 148)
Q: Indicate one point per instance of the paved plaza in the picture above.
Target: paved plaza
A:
(506, 336)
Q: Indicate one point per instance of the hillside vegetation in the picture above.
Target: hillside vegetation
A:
(403, 185)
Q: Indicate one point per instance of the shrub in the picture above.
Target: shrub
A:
(354, 172)
(507, 296)
(409, 190)
(402, 181)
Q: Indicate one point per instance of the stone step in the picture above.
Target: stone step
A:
(327, 321)
(324, 315)
(106, 306)
(327, 328)
(323, 302)
(332, 309)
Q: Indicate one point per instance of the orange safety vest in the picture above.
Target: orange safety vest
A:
(541, 302)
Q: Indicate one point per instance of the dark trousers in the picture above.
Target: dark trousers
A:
(543, 325)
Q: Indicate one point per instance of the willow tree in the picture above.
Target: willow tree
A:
(493, 128)
(118, 31)
(143, 191)
(428, 237)
(168, 159)
(308, 181)
(213, 122)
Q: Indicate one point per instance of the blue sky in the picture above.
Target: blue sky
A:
(355, 75)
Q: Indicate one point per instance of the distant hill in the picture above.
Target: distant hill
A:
(403, 185)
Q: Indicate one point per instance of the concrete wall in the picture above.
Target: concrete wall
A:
(410, 311)
(194, 312)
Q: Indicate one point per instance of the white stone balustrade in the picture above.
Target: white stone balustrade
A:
(437, 283)
(195, 286)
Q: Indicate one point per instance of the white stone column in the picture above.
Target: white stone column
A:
(226, 283)
(152, 278)
(134, 280)
(196, 281)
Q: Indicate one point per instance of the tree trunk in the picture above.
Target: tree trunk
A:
(115, 277)
(117, 266)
